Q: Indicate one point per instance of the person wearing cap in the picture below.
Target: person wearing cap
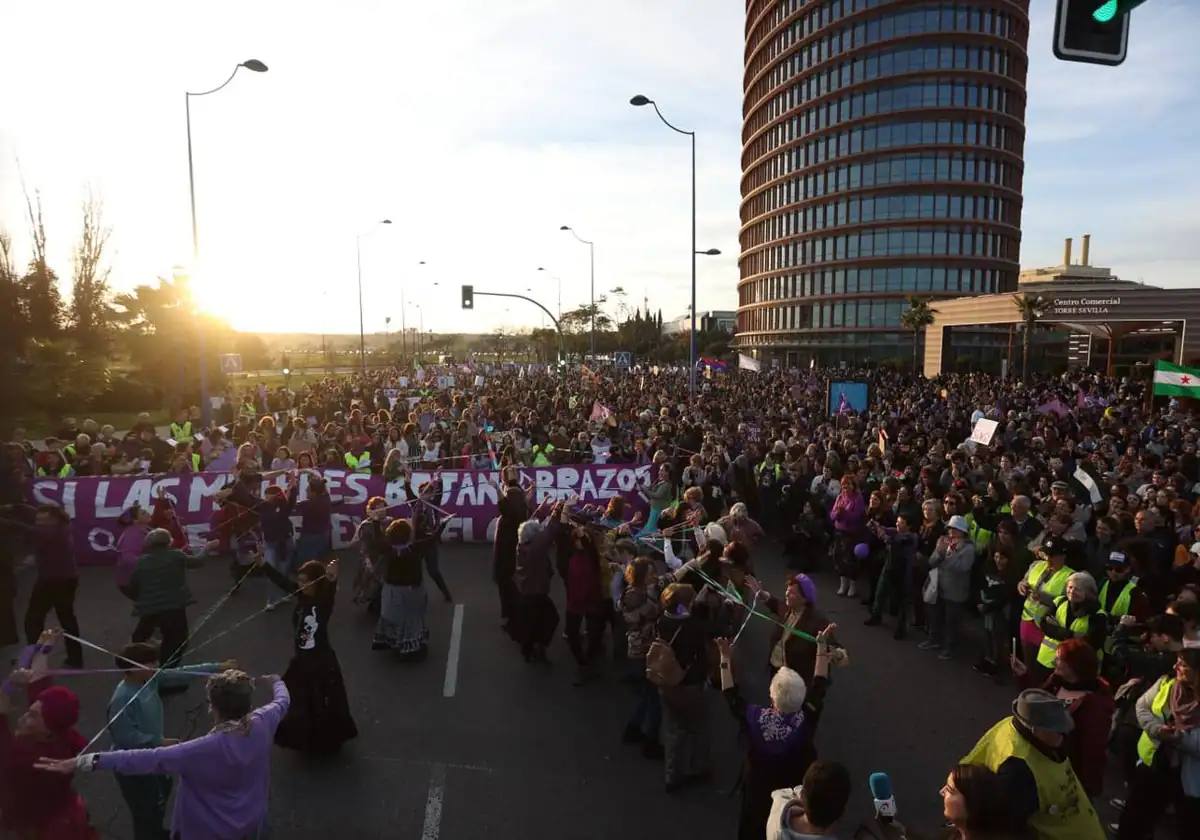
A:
(34, 803)
(1076, 615)
(1028, 752)
(951, 563)
(1168, 767)
(1120, 595)
(1045, 581)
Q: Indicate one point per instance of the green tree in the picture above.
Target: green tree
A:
(915, 319)
(1031, 307)
(91, 313)
(67, 377)
(161, 328)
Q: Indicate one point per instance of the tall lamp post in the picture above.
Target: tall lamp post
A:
(558, 281)
(639, 101)
(258, 67)
(592, 262)
(362, 341)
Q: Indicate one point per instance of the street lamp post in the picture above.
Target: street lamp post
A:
(592, 263)
(258, 67)
(639, 101)
(362, 341)
(558, 281)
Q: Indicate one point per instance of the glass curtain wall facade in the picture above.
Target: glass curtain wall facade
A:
(882, 158)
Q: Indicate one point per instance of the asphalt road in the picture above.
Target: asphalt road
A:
(517, 751)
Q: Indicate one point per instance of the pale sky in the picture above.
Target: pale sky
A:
(479, 129)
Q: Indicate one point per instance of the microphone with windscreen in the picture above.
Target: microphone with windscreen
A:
(885, 801)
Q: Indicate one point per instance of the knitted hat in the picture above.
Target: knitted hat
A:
(60, 708)
(807, 587)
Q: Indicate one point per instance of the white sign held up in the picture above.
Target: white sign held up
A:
(984, 431)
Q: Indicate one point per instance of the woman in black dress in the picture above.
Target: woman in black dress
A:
(514, 509)
(318, 721)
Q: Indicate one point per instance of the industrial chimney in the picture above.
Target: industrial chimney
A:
(1087, 247)
(1067, 252)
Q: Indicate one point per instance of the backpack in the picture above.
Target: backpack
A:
(662, 666)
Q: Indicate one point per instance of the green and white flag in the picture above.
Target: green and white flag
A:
(1175, 381)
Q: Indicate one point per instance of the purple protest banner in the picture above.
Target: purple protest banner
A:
(471, 497)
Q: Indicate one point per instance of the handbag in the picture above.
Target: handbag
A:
(662, 666)
(929, 593)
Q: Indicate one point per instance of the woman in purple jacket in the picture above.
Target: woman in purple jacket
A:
(224, 776)
(848, 516)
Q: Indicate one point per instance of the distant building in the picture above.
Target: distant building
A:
(882, 157)
(1091, 318)
(724, 320)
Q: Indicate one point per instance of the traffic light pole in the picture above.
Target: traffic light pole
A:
(561, 351)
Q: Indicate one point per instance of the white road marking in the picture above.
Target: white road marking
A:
(451, 683)
(433, 802)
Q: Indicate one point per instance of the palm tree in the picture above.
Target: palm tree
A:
(1031, 308)
(917, 317)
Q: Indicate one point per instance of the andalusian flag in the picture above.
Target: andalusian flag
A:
(1175, 381)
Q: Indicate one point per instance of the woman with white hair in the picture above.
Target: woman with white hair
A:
(780, 736)
(535, 618)
(1076, 615)
(740, 527)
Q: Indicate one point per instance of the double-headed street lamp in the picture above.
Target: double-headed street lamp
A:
(258, 67)
(639, 101)
(362, 342)
(592, 261)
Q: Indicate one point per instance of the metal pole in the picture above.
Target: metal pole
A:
(201, 340)
(692, 350)
(403, 330)
(592, 257)
(362, 345)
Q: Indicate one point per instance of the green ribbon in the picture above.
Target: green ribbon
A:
(729, 589)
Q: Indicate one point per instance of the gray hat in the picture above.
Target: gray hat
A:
(1039, 709)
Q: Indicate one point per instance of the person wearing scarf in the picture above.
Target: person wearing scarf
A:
(1168, 768)
(780, 736)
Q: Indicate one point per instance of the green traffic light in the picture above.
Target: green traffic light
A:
(1106, 11)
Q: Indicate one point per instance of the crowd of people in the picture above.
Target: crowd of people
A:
(1064, 551)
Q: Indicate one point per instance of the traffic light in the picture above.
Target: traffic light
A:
(468, 297)
(1093, 31)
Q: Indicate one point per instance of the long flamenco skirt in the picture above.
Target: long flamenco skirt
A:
(318, 720)
(401, 625)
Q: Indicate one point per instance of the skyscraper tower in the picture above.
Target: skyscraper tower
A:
(882, 154)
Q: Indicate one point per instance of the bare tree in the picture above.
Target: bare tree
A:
(12, 322)
(41, 301)
(91, 312)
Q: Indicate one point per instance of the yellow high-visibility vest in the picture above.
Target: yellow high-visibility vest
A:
(1064, 810)
(1078, 628)
(1056, 585)
(1147, 746)
(361, 464)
